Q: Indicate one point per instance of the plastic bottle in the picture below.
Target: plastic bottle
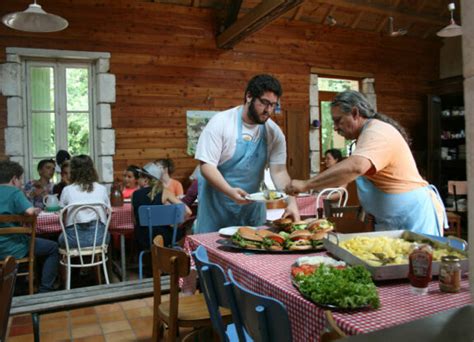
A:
(419, 268)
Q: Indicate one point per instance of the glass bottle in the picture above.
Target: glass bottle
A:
(450, 274)
(116, 197)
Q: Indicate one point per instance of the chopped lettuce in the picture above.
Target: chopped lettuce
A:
(347, 288)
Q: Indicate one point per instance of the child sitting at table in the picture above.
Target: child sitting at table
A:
(36, 190)
(84, 188)
(173, 185)
(14, 202)
(130, 181)
(155, 194)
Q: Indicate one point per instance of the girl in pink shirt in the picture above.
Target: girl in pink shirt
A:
(130, 181)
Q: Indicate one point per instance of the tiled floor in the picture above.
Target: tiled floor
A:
(125, 321)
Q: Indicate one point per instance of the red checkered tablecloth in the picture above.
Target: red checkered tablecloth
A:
(306, 205)
(269, 274)
(121, 221)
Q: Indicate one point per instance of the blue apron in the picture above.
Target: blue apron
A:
(244, 170)
(413, 210)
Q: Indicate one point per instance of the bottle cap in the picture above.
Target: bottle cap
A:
(419, 290)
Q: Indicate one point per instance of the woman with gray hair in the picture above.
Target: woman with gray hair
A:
(388, 182)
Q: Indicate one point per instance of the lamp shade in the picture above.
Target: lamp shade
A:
(35, 19)
(452, 30)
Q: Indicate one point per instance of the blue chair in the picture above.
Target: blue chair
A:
(216, 290)
(264, 318)
(159, 215)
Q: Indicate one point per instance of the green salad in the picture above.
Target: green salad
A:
(347, 288)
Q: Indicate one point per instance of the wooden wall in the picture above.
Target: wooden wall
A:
(166, 62)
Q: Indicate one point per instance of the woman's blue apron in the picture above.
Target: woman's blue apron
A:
(413, 210)
(244, 170)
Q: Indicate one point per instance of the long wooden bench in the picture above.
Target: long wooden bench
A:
(63, 300)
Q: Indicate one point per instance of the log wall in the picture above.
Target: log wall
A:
(166, 62)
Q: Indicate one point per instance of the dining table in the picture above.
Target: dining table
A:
(120, 223)
(269, 274)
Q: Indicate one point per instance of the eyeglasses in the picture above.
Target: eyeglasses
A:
(267, 103)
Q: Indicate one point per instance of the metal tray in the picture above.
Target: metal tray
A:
(390, 271)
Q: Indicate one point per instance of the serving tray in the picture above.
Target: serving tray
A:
(230, 244)
(388, 271)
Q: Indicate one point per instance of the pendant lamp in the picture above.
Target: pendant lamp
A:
(35, 19)
(453, 29)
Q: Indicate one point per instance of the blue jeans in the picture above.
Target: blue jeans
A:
(86, 232)
(49, 250)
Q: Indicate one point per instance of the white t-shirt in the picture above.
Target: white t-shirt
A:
(73, 194)
(217, 141)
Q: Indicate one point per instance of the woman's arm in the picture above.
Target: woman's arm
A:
(169, 197)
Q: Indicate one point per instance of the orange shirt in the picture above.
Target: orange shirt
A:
(175, 187)
(384, 146)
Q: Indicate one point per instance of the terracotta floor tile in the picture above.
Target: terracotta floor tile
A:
(101, 309)
(139, 312)
(21, 338)
(55, 315)
(21, 320)
(82, 312)
(110, 327)
(112, 316)
(86, 331)
(54, 336)
(84, 320)
(21, 330)
(51, 325)
(96, 338)
(143, 327)
(133, 304)
(149, 301)
(126, 335)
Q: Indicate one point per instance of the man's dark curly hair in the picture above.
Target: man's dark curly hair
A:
(262, 83)
(8, 170)
(83, 172)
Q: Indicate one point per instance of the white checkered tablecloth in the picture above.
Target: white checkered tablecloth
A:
(121, 221)
(269, 274)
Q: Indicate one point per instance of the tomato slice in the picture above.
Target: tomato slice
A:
(277, 238)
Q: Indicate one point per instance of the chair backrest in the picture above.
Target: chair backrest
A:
(457, 188)
(176, 263)
(216, 290)
(27, 226)
(264, 318)
(161, 215)
(338, 195)
(73, 210)
(7, 286)
(354, 220)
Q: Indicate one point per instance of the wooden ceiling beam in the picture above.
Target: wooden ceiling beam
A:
(328, 14)
(362, 5)
(260, 16)
(357, 20)
(382, 24)
(232, 12)
(298, 12)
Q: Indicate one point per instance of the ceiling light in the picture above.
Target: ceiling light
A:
(453, 29)
(35, 19)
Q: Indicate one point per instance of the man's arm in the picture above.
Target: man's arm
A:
(215, 178)
(342, 173)
(282, 179)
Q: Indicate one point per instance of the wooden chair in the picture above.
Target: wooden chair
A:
(333, 332)
(340, 196)
(7, 285)
(354, 220)
(187, 311)
(27, 226)
(80, 256)
(456, 188)
(454, 222)
(264, 318)
(218, 294)
(159, 215)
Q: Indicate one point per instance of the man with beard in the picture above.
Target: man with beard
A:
(234, 149)
(389, 185)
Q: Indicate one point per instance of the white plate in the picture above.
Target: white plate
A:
(229, 231)
(260, 197)
(127, 200)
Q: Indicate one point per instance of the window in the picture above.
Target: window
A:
(328, 89)
(58, 109)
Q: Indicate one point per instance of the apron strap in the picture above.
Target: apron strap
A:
(445, 224)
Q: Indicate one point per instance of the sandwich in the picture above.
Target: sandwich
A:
(299, 225)
(320, 228)
(249, 238)
(283, 224)
(271, 240)
(299, 240)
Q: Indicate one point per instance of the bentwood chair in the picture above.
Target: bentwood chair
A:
(218, 294)
(84, 256)
(8, 274)
(159, 215)
(333, 332)
(355, 220)
(263, 318)
(187, 311)
(22, 224)
(338, 195)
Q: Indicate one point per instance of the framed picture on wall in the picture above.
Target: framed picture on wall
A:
(195, 122)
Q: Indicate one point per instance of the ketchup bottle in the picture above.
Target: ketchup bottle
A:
(419, 269)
